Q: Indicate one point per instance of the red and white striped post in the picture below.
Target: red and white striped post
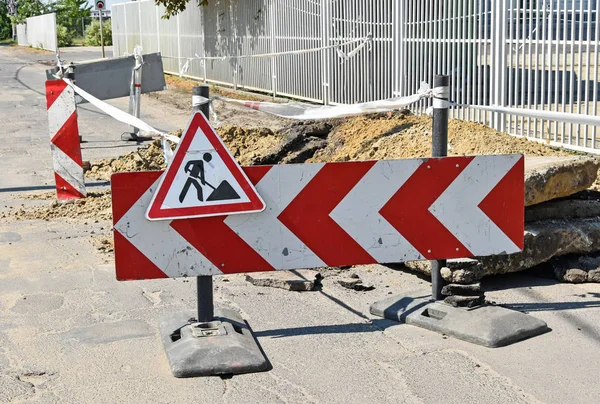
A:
(64, 140)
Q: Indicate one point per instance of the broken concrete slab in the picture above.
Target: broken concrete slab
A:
(572, 268)
(454, 289)
(543, 241)
(548, 178)
(297, 281)
(562, 209)
(465, 301)
(355, 284)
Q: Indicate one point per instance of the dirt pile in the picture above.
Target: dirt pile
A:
(405, 136)
(96, 206)
(146, 158)
(246, 145)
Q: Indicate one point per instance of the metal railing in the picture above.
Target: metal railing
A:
(537, 54)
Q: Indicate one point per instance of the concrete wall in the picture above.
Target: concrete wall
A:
(41, 32)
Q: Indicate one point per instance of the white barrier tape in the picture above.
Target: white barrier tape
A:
(547, 115)
(441, 104)
(184, 69)
(129, 120)
(300, 111)
(119, 115)
(441, 92)
(275, 54)
(200, 100)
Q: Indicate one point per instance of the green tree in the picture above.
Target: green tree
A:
(69, 14)
(5, 22)
(174, 7)
(92, 33)
(30, 8)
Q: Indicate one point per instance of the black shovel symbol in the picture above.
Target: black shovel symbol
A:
(195, 170)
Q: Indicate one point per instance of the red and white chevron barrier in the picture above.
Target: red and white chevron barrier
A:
(332, 214)
(64, 138)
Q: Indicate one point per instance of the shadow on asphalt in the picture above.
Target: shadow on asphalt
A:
(50, 187)
(374, 326)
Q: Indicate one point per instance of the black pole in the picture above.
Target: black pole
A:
(206, 308)
(439, 148)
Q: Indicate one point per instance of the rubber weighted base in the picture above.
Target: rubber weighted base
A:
(490, 326)
(224, 346)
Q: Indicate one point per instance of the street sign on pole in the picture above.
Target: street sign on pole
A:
(100, 7)
(330, 214)
(203, 179)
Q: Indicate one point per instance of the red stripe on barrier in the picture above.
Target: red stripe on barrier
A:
(408, 210)
(221, 245)
(131, 264)
(64, 190)
(67, 139)
(130, 187)
(255, 174)
(505, 205)
(307, 216)
(53, 90)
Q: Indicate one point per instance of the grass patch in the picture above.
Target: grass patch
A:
(8, 42)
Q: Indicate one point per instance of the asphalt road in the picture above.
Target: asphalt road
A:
(69, 332)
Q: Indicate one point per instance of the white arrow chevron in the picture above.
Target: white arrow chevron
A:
(358, 213)
(264, 232)
(457, 208)
(166, 248)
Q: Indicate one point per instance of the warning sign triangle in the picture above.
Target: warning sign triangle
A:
(203, 179)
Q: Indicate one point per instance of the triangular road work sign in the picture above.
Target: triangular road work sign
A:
(203, 179)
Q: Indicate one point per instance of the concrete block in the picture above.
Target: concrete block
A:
(552, 177)
(298, 281)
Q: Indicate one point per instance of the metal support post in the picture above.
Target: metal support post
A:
(200, 95)
(439, 148)
(210, 342)
(490, 326)
(135, 95)
(101, 33)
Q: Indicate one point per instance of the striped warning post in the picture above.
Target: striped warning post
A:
(64, 140)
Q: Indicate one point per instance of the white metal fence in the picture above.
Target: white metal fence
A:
(22, 35)
(40, 32)
(535, 54)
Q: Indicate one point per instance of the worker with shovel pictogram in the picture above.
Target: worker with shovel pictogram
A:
(196, 171)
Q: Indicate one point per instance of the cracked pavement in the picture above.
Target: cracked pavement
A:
(70, 333)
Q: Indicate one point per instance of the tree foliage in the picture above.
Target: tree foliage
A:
(92, 33)
(69, 14)
(30, 8)
(64, 37)
(5, 22)
(174, 7)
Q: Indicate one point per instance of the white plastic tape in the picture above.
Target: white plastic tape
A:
(440, 97)
(301, 111)
(275, 54)
(199, 100)
(120, 115)
(547, 115)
